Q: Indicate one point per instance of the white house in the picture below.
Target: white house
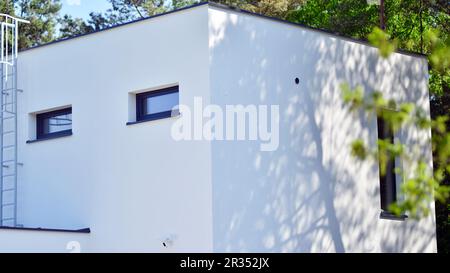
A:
(100, 168)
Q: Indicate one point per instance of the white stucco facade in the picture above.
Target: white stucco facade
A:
(134, 186)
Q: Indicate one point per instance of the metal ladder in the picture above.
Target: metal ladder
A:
(9, 27)
(8, 144)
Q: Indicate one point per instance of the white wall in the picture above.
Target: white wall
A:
(310, 195)
(132, 185)
(20, 241)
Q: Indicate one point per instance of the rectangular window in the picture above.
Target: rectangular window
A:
(157, 104)
(388, 185)
(54, 123)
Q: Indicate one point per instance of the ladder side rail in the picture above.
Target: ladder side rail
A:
(16, 42)
(1, 140)
(2, 47)
(6, 45)
(15, 139)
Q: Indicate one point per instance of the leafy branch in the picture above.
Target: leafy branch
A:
(422, 184)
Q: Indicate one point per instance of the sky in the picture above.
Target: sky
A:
(82, 8)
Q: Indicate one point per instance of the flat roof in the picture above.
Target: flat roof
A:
(230, 8)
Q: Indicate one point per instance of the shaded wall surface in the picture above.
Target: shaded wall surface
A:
(309, 195)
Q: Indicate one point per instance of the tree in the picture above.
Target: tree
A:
(42, 15)
(274, 8)
(121, 11)
(353, 18)
(7, 7)
(70, 26)
(126, 10)
(133, 9)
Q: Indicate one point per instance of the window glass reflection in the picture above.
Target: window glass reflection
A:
(162, 103)
(58, 123)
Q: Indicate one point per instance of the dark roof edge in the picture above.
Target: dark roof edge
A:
(360, 41)
(84, 230)
(213, 4)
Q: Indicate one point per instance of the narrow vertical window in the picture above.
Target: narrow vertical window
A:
(388, 185)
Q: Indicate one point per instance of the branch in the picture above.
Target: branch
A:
(137, 9)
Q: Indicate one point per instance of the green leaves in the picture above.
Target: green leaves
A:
(354, 98)
(440, 51)
(359, 149)
(354, 18)
(42, 15)
(418, 192)
(72, 26)
(381, 40)
(420, 186)
(439, 59)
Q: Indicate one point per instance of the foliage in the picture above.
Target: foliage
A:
(381, 40)
(419, 185)
(42, 15)
(70, 26)
(418, 188)
(127, 10)
(353, 18)
(274, 8)
(121, 11)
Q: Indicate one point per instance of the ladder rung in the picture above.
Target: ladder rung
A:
(8, 204)
(10, 160)
(8, 132)
(12, 189)
(8, 117)
(9, 175)
(8, 103)
(9, 146)
(8, 89)
(9, 112)
(8, 219)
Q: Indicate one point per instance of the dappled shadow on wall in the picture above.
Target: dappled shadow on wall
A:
(309, 195)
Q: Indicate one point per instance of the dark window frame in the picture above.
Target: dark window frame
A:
(40, 128)
(142, 97)
(388, 181)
